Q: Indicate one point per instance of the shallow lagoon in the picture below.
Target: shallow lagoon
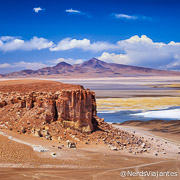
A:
(132, 87)
(172, 113)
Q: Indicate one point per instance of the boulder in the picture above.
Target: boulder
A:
(71, 145)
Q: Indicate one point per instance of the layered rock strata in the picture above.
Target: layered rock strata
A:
(75, 109)
(63, 112)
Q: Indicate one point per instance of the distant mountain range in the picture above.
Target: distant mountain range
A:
(91, 68)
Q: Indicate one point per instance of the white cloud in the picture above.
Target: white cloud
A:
(114, 58)
(143, 51)
(84, 44)
(79, 61)
(67, 60)
(6, 38)
(137, 39)
(4, 65)
(37, 9)
(125, 16)
(72, 11)
(18, 44)
(24, 65)
(21, 65)
(130, 17)
(29, 65)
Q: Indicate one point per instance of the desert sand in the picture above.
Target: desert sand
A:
(18, 160)
(87, 161)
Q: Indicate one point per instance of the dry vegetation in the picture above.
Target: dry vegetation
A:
(147, 103)
(165, 85)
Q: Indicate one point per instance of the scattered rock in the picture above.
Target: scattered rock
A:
(39, 148)
(37, 133)
(23, 130)
(71, 145)
(114, 148)
(53, 154)
(143, 145)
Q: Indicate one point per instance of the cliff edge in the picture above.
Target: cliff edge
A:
(57, 111)
(33, 103)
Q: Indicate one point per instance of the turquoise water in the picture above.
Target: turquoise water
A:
(172, 113)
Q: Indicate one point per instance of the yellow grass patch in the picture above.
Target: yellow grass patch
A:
(164, 85)
(172, 85)
(146, 103)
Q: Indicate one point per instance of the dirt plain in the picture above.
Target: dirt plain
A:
(19, 161)
(88, 161)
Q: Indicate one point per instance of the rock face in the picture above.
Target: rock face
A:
(75, 109)
(62, 112)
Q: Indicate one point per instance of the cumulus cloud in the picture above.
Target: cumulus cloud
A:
(12, 44)
(4, 65)
(30, 65)
(24, 65)
(143, 51)
(37, 9)
(114, 58)
(84, 44)
(67, 60)
(72, 11)
(21, 65)
(6, 38)
(137, 50)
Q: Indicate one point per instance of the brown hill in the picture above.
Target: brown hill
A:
(92, 68)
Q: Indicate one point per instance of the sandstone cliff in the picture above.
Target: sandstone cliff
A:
(64, 112)
(74, 107)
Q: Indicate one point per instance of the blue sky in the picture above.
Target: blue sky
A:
(38, 33)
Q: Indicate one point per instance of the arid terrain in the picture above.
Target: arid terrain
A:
(33, 150)
(87, 161)
(89, 90)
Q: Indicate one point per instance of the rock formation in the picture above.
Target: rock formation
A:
(75, 109)
(58, 111)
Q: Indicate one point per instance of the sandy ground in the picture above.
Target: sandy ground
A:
(166, 129)
(160, 145)
(19, 161)
(90, 162)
